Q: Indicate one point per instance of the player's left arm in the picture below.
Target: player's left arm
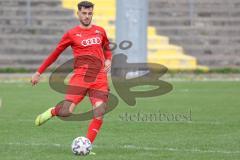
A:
(107, 53)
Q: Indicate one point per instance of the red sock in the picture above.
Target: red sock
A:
(93, 129)
(55, 111)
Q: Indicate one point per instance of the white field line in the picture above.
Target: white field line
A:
(180, 149)
(133, 147)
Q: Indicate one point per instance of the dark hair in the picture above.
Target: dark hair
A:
(85, 4)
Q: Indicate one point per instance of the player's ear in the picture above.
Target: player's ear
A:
(78, 13)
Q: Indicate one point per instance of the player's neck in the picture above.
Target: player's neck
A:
(85, 27)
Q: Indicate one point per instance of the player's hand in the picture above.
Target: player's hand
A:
(35, 78)
(107, 66)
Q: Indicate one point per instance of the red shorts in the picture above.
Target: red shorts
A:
(80, 86)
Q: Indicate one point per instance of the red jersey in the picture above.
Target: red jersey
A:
(90, 45)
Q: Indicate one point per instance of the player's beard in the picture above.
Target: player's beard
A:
(86, 24)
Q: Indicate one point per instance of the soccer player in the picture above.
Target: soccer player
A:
(91, 43)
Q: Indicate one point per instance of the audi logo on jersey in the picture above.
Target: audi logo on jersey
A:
(91, 41)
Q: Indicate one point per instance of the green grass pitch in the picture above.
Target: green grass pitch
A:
(210, 132)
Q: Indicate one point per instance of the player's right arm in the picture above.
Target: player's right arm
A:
(62, 45)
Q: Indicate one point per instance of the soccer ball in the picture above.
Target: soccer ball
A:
(81, 146)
